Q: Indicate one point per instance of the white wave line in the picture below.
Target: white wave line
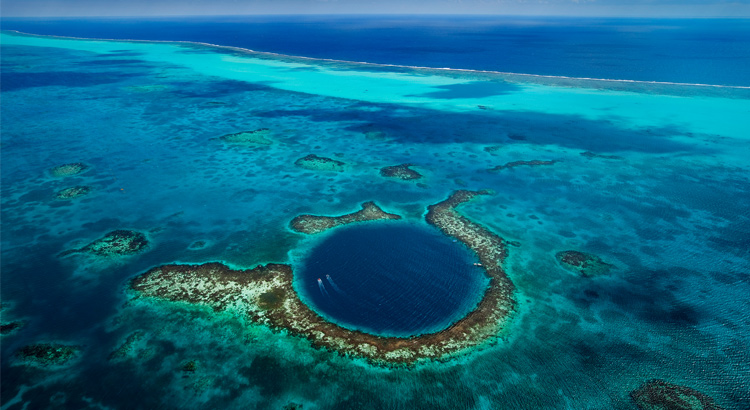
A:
(465, 70)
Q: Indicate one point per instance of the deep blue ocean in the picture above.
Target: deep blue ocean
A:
(652, 178)
(704, 51)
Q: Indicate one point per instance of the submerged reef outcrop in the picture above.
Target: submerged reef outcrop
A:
(67, 170)
(47, 354)
(660, 395)
(126, 348)
(266, 295)
(514, 164)
(258, 136)
(591, 155)
(311, 224)
(585, 264)
(116, 243)
(400, 172)
(73, 192)
(10, 327)
(316, 163)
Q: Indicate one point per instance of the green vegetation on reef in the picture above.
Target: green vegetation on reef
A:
(660, 395)
(47, 354)
(67, 170)
(400, 172)
(258, 136)
(116, 243)
(312, 224)
(73, 192)
(585, 264)
(316, 163)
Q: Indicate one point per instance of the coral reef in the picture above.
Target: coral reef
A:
(316, 163)
(73, 192)
(47, 354)
(591, 155)
(189, 367)
(67, 170)
(265, 294)
(127, 346)
(401, 172)
(312, 224)
(115, 243)
(258, 136)
(585, 264)
(10, 327)
(660, 395)
(514, 164)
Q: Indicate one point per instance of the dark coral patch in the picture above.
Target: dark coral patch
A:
(258, 136)
(316, 163)
(190, 366)
(127, 346)
(10, 327)
(401, 172)
(67, 170)
(592, 155)
(660, 395)
(514, 164)
(585, 264)
(73, 192)
(47, 354)
(311, 224)
(116, 243)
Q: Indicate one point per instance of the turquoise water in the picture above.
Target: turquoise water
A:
(661, 193)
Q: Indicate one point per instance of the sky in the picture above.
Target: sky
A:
(624, 8)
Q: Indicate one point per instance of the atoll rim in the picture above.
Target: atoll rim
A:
(266, 295)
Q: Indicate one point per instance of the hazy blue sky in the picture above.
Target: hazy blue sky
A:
(694, 8)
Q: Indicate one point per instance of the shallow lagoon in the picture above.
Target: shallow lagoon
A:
(652, 178)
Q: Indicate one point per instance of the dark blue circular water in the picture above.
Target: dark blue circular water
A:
(391, 279)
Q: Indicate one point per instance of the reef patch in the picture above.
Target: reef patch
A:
(67, 170)
(116, 243)
(266, 295)
(402, 172)
(11, 327)
(47, 354)
(585, 264)
(316, 163)
(259, 137)
(73, 192)
(660, 395)
(312, 224)
(125, 349)
(532, 163)
(592, 155)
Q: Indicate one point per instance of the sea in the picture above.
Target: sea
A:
(626, 139)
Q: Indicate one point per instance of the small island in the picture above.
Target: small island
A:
(312, 224)
(316, 163)
(660, 395)
(266, 295)
(402, 172)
